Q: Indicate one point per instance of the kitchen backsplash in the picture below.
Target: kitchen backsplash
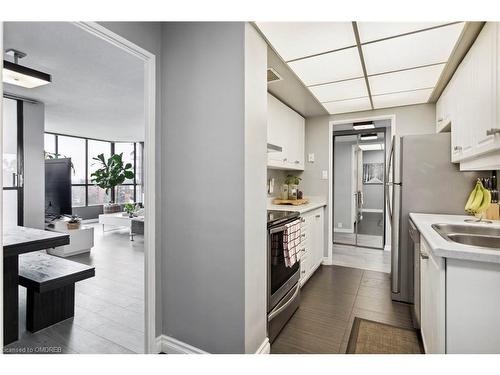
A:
(279, 176)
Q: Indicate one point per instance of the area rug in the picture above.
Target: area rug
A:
(369, 337)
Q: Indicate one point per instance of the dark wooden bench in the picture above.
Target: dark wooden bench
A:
(50, 283)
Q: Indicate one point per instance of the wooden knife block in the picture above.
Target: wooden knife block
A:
(492, 212)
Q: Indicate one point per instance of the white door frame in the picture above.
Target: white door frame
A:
(331, 126)
(149, 61)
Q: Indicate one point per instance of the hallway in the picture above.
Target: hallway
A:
(330, 301)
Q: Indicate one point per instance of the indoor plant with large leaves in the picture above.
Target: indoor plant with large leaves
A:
(112, 172)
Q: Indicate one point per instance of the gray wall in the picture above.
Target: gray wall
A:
(208, 176)
(34, 165)
(415, 119)
(147, 35)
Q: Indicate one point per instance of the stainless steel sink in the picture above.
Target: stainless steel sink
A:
(472, 235)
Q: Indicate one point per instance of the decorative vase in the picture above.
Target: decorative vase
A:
(292, 192)
(110, 208)
(284, 192)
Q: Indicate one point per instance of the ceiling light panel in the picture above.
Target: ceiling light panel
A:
(370, 31)
(414, 50)
(371, 146)
(401, 98)
(406, 80)
(294, 40)
(331, 67)
(353, 88)
(351, 105)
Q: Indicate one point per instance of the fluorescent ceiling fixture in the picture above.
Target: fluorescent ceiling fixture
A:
(353, 88)
(19, 75)
(368, 137)
(350, 105)
(401, 98)
(363, 125)
(369, 31)
(293, 40)
(406, 80)
(330, 67)
(414, 50)
(371, 146)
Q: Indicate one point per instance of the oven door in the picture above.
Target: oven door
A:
(281, 279)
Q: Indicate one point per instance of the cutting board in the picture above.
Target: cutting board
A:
(293, 202)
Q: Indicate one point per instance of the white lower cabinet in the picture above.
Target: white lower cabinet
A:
(460, 305)
(312, 243)
(432, 302)
(472, 307)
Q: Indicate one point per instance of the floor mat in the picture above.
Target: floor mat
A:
(369, 337)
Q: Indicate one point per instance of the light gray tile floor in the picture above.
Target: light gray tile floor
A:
(109, 308)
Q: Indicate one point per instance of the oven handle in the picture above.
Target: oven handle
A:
(277, 312)
(277, 230)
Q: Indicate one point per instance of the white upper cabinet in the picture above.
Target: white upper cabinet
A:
(468, 105)
(285, 128)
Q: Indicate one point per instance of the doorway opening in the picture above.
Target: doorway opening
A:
(359, 225)
(106, 109)
(359, 188)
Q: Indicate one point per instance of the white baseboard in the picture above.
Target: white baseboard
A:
(265, 347)
(343, 230)
(327, 261)
(169, 345)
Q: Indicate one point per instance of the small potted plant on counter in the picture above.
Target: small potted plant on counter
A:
(293, 186)
(74, 222)
(111, 173)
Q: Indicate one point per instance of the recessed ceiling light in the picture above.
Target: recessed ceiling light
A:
(330, 67)
(371, 146)
(413, 50)
(363, 125)
(368, 137)
(293, 40)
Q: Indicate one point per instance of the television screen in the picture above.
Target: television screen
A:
(58, 187)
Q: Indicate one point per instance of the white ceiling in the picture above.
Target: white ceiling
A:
(97, 89)
(393, 64)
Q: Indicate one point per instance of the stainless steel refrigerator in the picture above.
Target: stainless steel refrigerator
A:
(421, 178)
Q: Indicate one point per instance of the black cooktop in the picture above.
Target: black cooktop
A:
(279, 217)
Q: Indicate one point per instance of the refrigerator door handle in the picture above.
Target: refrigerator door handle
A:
(388, 184)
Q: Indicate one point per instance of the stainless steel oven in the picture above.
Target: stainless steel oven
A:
(283, 288)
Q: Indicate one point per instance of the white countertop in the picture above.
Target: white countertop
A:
(314, 202)
(449, 249)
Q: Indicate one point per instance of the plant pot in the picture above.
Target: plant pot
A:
(73, 225)
(110, 208)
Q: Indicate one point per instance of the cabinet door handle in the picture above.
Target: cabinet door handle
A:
(318, 216)
(440, 119)
(285, 159)
(304, 235)
(297, 162)
(493, 131)
(457, 148)
(424, 255)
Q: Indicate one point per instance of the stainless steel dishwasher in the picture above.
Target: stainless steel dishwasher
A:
(414, 244)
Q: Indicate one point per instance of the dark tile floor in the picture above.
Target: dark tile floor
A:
(330, 301)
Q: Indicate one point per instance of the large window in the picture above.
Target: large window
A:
(82, 152)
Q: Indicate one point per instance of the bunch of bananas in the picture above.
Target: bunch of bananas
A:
(479, 199)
